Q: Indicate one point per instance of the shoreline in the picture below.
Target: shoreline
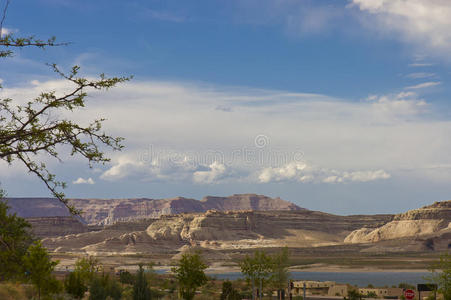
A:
(319, 269)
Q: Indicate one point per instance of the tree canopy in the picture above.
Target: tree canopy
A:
(15, 238)
(141, 290)
(279, 269)
(257, 269)
(441, 275)
(190, 274)
(39, 268)
(74, 285)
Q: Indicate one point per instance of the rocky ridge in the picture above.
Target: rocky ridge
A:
(219, 231)
(427, 222)
(109, 211)
(230, 225)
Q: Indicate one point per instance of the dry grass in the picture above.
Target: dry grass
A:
(12, 291)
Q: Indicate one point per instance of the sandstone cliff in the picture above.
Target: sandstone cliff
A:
(168, 227)
(432, 220)
(37, 207)
(56, 226)
(109, 211)
(219, 231)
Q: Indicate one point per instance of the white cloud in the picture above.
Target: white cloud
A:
(425, 23)
(420, 75)
(6, 31)
(215, 172)
(401, 104)
(164, 167)
(123, 167)
(423, 85)
(83, 181)
(292, 171)
(420, 65)
(387, 132)
(301, 172)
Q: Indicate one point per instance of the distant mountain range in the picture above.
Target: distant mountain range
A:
(109, 211)
(222, 226)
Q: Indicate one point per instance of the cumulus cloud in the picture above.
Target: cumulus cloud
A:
(123, 167)
(81, 180)
(403, 103)
(298, 171)
(215, 171)
(303, 172)
(126, 166)
(423, 22)
(166, 168)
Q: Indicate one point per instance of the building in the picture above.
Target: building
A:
(332, 289)
(311, 287)
(338, 290)
(387, 293)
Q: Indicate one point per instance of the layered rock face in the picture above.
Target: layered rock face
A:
(56, 226)
(300, 228)
(37, 207)
(215, 230)
(246, 202)
(224, 225)
(109, 211)
(429, 221)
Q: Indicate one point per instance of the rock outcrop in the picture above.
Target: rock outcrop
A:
(432, 220)
(56, 226)
(246, 202)
(224, 226)
(109, 211)
(221, 231)
(37, 207)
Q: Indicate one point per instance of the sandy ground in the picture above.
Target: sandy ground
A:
(131, 263)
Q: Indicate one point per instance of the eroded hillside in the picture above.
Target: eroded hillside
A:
(223, 231)
(430, 226)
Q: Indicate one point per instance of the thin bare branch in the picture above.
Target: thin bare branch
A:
(5, 9)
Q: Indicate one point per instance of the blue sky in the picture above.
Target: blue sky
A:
(346, 103)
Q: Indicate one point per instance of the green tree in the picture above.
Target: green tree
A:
(102, 287)
(190, 274)
(74, 285)
(370, 295)
(257, 269)
(15, 238)
(87, 268)
(39, 270)
(279, 271)
(126, 277)
(441, 275)
(33, 131)
(141, 290)
(353, 294)
(228, 292)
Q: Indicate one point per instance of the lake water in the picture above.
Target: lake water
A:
(361, 279)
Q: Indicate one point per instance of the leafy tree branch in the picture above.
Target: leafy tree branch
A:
(36, 129)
